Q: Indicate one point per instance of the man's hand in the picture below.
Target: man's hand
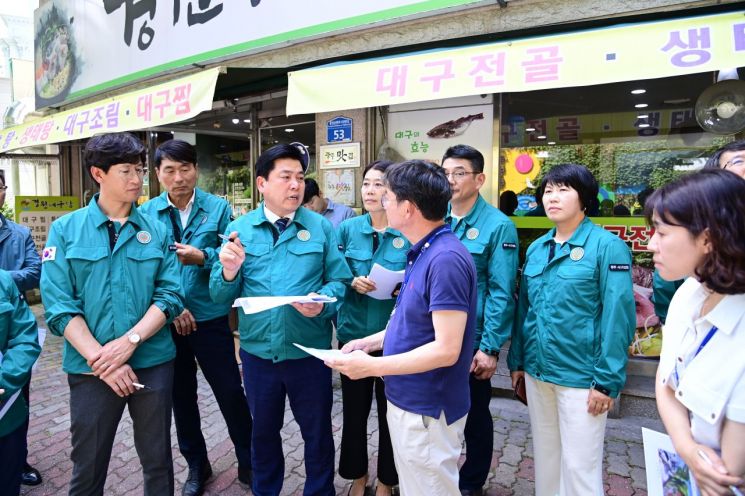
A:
(598, 403)
(355, 365)
(232, 257)
(185, 323)
(2, 391)
(368, 345)
(309, 309)
(363, 284)
(189, 255)
(121, 380)
(111, 356)
(483, 366)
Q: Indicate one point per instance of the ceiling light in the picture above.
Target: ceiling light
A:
(643, 125)
(236, 120)
(642, 116)
(541, 137)
(641, 105)
(639, 91)
(552, 142)
(529, 129)
(247, 121)
(289, 130)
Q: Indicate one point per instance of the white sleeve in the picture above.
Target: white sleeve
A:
(735, 409)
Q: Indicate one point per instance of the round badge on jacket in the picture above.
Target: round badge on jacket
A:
(577, 253)
(398, 243)
(144, 237)
(472, 233)
(303, 235)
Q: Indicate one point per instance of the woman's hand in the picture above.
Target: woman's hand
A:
(709, 471)
(598, 403)
(515, 376)
(363, 284)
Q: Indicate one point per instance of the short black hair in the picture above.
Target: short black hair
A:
(711, 200)
(577, 177)
(466, 152)
(311, 190)
(735, 146)
(508, 202)
(105, 150)
(176, 150)
(378, 165)
(265, 163)
(422, 183)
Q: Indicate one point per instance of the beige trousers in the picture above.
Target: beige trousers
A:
(426, 452)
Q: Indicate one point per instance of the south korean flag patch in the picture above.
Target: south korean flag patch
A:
(49, 254)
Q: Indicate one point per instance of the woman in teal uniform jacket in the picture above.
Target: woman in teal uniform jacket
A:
(575, 320)
(367, 240)
(19, 349)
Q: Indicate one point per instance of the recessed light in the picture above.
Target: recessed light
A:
(552, 142)
(541, 137)
(289, 130)
(236, 120)
(641, 105)
(643, 125)
(639, 91)
(642, 116)
(529, 129)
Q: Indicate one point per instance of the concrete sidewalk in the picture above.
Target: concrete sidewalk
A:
(512, 462)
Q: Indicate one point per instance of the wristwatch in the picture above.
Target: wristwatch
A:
(134, 338)
(600, 389)
(490, 352)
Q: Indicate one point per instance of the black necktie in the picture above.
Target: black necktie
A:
(281, 225)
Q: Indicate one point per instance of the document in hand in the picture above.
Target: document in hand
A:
(256, 304)
(320, 354)
(386, 282)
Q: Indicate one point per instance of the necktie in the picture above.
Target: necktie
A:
(281, 225)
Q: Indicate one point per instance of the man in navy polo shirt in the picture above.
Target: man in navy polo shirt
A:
(427, 343)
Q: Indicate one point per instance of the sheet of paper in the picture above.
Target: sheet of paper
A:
(385, 282)
(666, 471)
(320, 354)
(256, 304)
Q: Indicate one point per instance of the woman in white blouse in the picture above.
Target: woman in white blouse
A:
(699, 224)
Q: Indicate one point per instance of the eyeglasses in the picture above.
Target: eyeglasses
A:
(3, 188)
(384, 200)
(127, 173)
(735, 162)
(458, 175)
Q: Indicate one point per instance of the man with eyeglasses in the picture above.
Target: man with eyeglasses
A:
(730, 157)
(111, 287)
(491, 238)
(194, 220)
(281, 249)
(19, 257)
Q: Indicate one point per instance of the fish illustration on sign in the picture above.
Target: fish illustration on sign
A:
(453, 128)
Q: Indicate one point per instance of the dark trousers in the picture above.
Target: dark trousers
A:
(212, 346)
(307, 384)
(479, 436)
(95, 412)
(12, 447)
(357, 396)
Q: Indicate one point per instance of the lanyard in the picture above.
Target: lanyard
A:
(407, 274)
(704, 342)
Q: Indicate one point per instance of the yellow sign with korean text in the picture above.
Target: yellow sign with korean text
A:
(623, 53)
(158, 105)
(38, 212)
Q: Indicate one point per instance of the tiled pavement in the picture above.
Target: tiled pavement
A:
(511, 472)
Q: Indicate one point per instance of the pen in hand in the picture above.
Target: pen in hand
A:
(706, 458)
(137, 385)
(226, 238)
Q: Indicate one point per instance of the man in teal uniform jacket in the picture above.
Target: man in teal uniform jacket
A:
(201, 333)
(111, 287)
(281, 249)
(19, 348)
(491, 238)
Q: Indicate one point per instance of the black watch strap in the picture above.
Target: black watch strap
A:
(601, 389)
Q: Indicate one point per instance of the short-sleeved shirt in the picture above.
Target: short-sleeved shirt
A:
(440, 275)
(111, 289)
(710, 383)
